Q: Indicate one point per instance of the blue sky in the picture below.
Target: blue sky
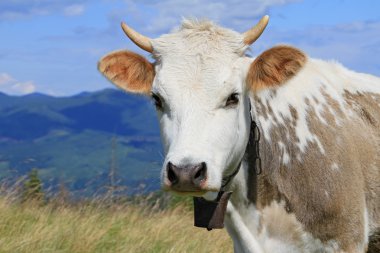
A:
(52, 46)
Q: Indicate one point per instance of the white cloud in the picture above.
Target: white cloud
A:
(24, 87)
(10, 85)
(5, 79)
(74, 10)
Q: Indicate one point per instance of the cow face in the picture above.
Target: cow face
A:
(203, 110)
(198, 85)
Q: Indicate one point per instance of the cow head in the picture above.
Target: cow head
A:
(198, 85)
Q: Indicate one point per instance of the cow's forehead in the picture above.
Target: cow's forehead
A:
(199, 38)
(208, 82)
(195, 71)
(200, 57)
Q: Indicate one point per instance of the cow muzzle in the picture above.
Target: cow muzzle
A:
(186, 178)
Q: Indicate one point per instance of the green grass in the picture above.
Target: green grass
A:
(96, 228)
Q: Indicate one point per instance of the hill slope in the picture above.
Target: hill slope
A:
(70, 139)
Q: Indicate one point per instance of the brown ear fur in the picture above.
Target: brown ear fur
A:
(274, 67)
(129, 71)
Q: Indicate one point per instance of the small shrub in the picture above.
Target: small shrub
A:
(33, 187)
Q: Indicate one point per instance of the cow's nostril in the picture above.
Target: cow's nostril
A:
(200, 172)
(173, 178)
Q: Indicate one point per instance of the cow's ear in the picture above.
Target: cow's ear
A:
(129, 71)
(274, 67)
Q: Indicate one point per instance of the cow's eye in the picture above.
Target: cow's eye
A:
(157, 101)
(233, 99)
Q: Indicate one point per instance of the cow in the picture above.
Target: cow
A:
(319, 188)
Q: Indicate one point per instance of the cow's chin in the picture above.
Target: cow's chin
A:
(189, 194)
(209, 194)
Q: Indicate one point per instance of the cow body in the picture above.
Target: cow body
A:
(319, 190)
(321, 163)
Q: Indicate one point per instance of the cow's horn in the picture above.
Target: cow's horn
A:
(139, 39)
(254, 33)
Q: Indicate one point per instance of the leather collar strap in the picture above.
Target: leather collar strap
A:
(227, 180)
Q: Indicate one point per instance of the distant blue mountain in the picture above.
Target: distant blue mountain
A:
(70, 139)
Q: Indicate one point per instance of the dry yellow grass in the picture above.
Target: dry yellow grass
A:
(33, 228)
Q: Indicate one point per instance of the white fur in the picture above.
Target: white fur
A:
(366, 231)
(244, 241)
(335, 167)
(285, 155)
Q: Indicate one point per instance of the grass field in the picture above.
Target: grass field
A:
(95, 228)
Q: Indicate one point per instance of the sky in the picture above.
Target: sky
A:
(53, 46)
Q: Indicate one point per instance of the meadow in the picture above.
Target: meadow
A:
(98, 227)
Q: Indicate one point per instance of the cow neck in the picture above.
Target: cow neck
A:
(253, 156)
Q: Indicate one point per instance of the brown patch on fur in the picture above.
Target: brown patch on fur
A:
(129, 71)
(328, 202)
(274, 67)
(367, 107)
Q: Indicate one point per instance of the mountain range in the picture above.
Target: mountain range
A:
(81, 140)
